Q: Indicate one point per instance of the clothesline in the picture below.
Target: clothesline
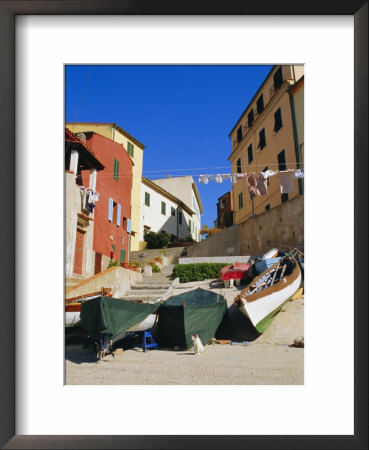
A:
(219, 178)
(258, 182)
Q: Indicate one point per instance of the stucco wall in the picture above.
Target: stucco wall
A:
(72, 208)
(116, 278)
(181, 187)
(115, 135)
(108, 187)
(221, 244)
(283, 224)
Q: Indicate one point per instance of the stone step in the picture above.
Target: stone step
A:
(146, 292)
(150, 286)
(149, 280)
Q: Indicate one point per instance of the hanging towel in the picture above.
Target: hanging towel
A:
(251, 181)
(226, 176)
(287, 181)
(299, 173)
(242, 175)
(234, 178)
(203, 179)
(261, 184)
(218, 178)
(268, 173)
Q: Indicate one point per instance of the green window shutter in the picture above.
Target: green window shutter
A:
(116, 169)
(163, 208)
(189, 225)
(180, 217)
(122, 256)
(147, 199)
(173, 211)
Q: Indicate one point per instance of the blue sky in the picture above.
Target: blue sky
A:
(182, 114)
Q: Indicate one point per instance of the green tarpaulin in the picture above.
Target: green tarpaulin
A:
(194, 312)
(113, 316)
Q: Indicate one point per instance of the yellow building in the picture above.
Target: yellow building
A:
(134, 149)
(264, 138)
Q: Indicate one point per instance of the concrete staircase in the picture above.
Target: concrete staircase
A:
(151, 287)
(72, 281)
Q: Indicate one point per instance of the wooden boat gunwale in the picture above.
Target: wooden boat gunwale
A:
(279, 286)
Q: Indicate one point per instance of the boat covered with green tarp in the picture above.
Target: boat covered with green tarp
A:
(193, 312)
(112, 316)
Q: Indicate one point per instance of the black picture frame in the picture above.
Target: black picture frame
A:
(8, 10)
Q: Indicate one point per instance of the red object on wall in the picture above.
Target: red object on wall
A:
(117, 188)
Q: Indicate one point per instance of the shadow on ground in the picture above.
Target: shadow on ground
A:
(236, 327)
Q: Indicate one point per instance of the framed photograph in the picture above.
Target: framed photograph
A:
(38, 40)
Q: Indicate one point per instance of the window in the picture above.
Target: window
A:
(278, 78)
(260, 104)
(282, 161)
(147, 199)
(189, 225)
(130, 149)
(262, 141)
(115, 212)
(122, 256)
(180, 217)
(239, 133)
(249, 152)
(240, 200)
(119, 209)
(239, 165)
(110, 211)
(163, 208)
(277, 120)
(222, 204)
(267, 207)
(116, 169)
(284, 198)
(129, 226)
(250, 118)
(173, 211)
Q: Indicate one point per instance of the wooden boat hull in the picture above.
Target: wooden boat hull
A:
(262, 306)
(72, 318)
(145, 324)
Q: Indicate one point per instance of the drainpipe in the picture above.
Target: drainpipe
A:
(297, 152)
(177, 220)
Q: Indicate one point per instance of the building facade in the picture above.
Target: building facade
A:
(112, 221)
(134, 148)
(79, 218)
(162, 211)
(185, 189)
(264, 138)
(225, 210)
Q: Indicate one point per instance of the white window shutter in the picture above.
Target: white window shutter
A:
(129, 225)
(110, 213)
(118, 214)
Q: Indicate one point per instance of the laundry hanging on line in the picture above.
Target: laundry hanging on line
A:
(258, 182)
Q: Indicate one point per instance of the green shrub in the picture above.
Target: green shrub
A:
(112, 263)
(197, 271)
(157, 240)
(155, 268)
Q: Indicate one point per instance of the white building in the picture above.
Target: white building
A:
(163, 211)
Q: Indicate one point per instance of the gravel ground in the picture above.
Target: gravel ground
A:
(268, 359)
